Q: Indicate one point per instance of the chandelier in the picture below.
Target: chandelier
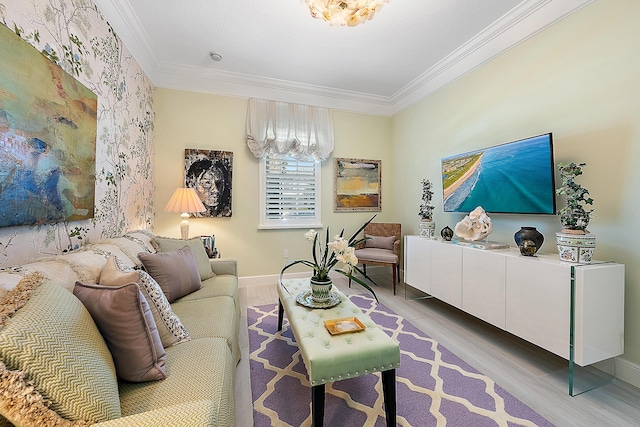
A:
(344, 12)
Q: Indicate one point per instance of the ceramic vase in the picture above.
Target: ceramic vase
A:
(578, 248)
(427, 229)
(529, 240)
(446, 233)
(321, 289)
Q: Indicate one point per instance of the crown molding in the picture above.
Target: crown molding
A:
(527, 19)
(520, 24)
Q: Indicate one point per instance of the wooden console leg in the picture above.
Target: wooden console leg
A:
(389, 394)
(317, 405)
(280, 314)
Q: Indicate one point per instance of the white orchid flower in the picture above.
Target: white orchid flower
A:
(310, 235)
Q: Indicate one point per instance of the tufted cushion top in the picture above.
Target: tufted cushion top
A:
(376, 254)
(332, 358)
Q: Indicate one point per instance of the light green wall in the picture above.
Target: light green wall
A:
(194, 120)
(579, 79)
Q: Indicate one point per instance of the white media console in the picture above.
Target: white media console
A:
(573, 310)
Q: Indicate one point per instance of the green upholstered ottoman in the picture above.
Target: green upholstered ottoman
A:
(330, 358)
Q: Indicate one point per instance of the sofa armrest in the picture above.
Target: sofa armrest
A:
(197, 413)
(224, 266)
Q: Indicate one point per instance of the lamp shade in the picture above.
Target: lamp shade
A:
(185, 200)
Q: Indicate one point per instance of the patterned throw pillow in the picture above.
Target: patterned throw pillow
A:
(126, 324)
(167, 244)
(48, 337)
(170, 328)
(175, 271)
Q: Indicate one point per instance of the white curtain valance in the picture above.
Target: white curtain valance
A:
(283, 129)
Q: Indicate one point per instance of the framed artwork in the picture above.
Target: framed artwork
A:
(358, 185)
(209, 173)
(47, 139)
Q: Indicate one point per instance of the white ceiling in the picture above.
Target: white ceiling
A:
(274, 49)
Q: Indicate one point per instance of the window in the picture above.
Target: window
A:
(289, 193)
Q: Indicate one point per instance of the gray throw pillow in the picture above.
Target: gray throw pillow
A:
(380, 242)
(170, 328)
(166, 244)
(175, 271)
(127, 326)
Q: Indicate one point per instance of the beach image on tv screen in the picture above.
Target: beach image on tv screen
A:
(517, 177)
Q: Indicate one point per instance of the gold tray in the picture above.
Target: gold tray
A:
(344, 325)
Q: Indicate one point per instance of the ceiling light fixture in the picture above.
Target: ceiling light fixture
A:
(215, 56)
(344, 12)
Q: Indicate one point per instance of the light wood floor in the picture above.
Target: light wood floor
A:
(535, 376)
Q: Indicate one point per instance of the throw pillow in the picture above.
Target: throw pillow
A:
(175, 271)
(165, 244)
(47, 335)
(170, 328)
(380, 242)
(126, 323)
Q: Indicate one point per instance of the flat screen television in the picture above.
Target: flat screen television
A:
(517, 177)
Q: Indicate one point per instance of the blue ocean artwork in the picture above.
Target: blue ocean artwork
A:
(517, 177)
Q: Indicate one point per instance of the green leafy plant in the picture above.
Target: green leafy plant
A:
(574, 216)
(327, 255)
(426, 208)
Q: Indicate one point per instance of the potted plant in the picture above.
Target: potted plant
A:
(326, 256)
(427, 225)
(575, 243)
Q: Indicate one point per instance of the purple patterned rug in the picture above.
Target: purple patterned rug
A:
(434, 386)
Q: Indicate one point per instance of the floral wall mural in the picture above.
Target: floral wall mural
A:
(74, 35)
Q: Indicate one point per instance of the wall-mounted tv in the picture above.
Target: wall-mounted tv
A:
(516, 177)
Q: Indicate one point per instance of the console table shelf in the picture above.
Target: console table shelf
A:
(573, 310)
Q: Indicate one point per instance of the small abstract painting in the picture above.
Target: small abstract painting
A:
(358, 185)
(209, 173)
(47, 139)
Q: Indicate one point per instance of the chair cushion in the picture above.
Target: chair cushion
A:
(175, 271)
(126, 323)
(381, 242)
(376, 255)
(170, 328)
(166, 244)
(55, 343)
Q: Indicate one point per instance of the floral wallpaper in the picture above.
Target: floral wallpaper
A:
(74, 35)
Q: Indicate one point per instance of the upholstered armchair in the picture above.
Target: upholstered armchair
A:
(382, 248)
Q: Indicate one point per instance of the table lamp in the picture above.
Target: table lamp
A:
(185, 200)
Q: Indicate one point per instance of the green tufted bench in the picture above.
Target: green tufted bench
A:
(333, 358)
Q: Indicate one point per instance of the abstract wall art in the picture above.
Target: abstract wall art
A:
(47, 139)
(358, 185)
(209, 172)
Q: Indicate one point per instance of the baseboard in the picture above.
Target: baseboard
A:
(270, 279)
(628, 371)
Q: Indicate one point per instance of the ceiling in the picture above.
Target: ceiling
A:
(274, 49)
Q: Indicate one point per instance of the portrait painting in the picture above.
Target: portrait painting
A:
(209, 173)
(358, 185)
(47, 139)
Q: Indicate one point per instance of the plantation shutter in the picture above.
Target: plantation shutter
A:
(290, 189)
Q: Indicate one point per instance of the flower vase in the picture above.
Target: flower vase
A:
(321, 289)
(427, 229)
(574, 247)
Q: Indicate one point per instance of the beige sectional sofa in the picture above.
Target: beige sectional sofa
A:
(62, 356)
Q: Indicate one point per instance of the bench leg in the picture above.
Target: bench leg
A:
(389, 394)
(317, 405)
(280, 314)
